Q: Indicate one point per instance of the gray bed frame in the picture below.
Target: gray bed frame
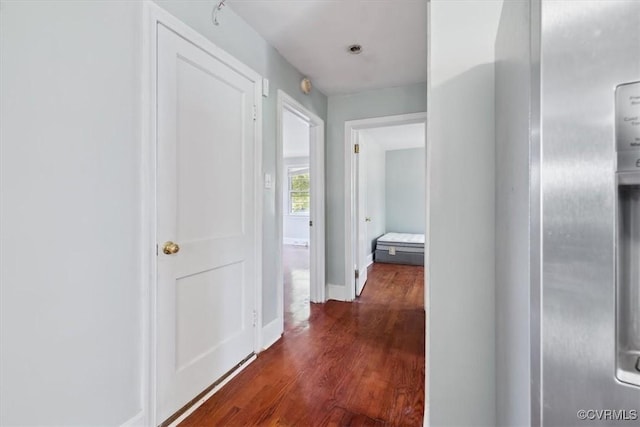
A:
(410, 258)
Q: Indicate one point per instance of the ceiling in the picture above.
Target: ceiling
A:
(313, 35)
(395, 137)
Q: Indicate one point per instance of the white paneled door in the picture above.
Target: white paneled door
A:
(205, 220)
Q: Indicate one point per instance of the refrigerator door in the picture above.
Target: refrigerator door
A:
(587, 48)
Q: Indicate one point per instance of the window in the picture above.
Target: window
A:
(298, 190)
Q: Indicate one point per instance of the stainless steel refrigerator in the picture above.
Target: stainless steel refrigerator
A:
(582, 74)
(590, 212)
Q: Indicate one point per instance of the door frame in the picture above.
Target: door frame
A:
(351, 129)
(317, 215)
(152, 16)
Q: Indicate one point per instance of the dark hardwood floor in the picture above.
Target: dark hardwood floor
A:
(338, 364)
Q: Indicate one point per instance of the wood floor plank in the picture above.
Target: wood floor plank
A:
(344, 364)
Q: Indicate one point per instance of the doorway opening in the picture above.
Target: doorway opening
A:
(385, 160)
(296, 218)
(300, 211)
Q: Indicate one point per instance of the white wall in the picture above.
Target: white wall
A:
(295, 149)
(461, 263)
(405, 190)
(295, 136)
(374, 103)
(70, 269)
(513, 96)
(295, 227)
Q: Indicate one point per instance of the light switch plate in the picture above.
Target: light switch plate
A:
(267, 180)
(265, 87)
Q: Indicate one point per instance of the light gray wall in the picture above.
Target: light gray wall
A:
(461, 358)
(294, 227)
(513, 95)
(373, 158)
(461, 239)
(236, 37)
(405, 190)
(70, 265)
(374, 103)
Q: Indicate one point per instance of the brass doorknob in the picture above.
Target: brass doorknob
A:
(170, 248)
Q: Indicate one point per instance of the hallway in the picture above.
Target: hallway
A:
(359, 363)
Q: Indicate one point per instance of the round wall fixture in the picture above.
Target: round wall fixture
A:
(355, 49)
(305, 86)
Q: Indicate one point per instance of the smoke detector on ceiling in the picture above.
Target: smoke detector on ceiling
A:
(355, 49)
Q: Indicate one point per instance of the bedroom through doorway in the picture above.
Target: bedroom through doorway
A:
(388, 223)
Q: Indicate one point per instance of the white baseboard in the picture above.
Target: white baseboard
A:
(137, 420)
(336, 292)
(271, 333)
(295, 242)
(369, 259)
(206, 397)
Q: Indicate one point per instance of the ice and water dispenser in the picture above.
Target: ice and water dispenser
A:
(628, 233)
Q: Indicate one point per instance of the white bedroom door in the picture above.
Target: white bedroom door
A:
(362, 241)
(205, 220)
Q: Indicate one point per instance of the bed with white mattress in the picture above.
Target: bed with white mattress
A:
(400, 248)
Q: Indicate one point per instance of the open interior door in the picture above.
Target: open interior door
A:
(362, 241)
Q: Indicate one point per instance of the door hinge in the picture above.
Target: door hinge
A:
(357, 274)
(156, 250)
(356, 148)
(255, 318)
(310, 223)
(255, 113)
